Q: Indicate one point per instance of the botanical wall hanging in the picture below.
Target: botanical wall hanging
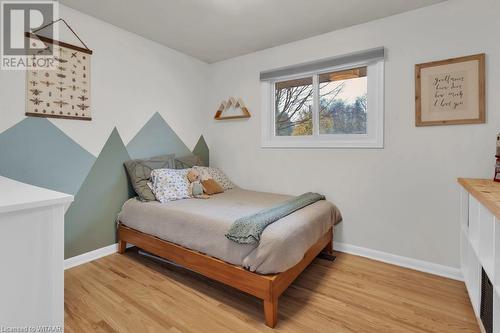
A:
(63, 90)
(450, 91)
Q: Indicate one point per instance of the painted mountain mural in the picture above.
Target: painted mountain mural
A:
(90, 220)
(156, 138)
(36, 152)
(201, 149)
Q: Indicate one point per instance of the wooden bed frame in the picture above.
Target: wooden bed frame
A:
(266, 287)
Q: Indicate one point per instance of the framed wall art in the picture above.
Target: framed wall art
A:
(63, 89)
(450, 92)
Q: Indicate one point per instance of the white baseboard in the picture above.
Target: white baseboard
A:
(89, 256)
(419, 265)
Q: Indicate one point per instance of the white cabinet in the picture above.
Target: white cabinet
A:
(31, 255)
(480, 241)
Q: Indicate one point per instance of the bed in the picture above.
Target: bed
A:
(191, 233)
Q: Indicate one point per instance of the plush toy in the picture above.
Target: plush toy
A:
(195, 187)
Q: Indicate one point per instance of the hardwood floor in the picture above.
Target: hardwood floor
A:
(132, 293)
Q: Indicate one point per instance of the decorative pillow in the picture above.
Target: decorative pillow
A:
(170, 184)
(216, 174)
(211, 187)
(139, 172)
(188, 161)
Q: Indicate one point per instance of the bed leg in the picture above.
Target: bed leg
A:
(122, 245)
(329, 248)
(271, 312)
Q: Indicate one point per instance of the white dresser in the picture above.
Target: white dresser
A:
(480, 248)
(31, 256)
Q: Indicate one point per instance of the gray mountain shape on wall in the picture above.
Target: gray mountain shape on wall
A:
(107, 187)
(155, 138)
(36, 152)
(90, 220)
(201, 149)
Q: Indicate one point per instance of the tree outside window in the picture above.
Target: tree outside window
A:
(342, 107)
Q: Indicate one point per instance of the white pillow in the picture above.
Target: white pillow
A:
(215, 174)
(170, 184)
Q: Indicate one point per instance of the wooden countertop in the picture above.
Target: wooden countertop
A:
(485, 191)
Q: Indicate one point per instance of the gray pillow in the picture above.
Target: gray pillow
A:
(188, 161)
(139, 172)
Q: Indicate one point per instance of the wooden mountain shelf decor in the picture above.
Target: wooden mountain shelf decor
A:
(232, 103)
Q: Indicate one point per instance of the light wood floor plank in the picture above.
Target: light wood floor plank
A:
(131, 293)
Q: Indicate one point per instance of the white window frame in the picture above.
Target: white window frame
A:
(374, 138)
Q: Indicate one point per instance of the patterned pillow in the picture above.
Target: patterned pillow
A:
(215, 174)
(170, 184)
(139, 172)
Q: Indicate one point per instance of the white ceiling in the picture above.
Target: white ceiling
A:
(214, 30)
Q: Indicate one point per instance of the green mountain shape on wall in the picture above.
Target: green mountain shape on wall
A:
(90, 220)
(155, 138)
(36, 152)
(201, 149)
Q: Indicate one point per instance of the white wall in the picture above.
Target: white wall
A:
(402, 199)
(131, 79)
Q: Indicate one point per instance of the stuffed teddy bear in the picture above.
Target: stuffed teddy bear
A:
(195, 187)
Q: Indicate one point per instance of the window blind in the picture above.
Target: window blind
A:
(317, 65)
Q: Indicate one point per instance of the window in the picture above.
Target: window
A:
(333, 105)
(293, 107)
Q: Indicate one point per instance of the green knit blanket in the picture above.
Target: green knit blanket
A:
(248, 229)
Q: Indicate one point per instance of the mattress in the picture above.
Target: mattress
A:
(201, 225)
